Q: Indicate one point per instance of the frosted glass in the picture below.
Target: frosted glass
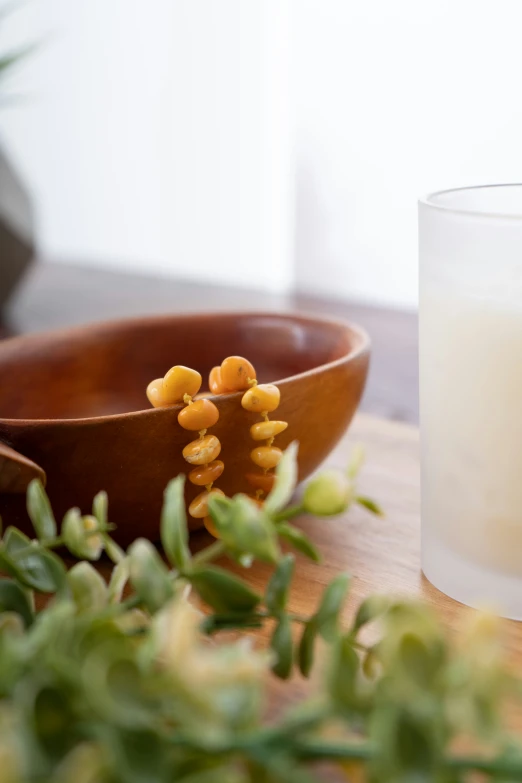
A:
(470, 243)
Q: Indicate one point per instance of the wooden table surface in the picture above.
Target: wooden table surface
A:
(381, 554)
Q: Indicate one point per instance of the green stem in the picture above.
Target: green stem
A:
(315, 751)
(244, 620)
(50, 543)
(289, 513)
(130, 603)
(503, 766)
(212, 552)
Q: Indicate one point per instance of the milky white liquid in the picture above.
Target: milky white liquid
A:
(471, 422)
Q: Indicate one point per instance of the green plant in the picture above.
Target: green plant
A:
(11, 58)
(120, 681)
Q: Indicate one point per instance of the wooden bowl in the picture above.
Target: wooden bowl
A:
(73, 407)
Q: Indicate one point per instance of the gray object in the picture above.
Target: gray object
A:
(16, 229)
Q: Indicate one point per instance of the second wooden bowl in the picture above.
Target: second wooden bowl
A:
(73, 408)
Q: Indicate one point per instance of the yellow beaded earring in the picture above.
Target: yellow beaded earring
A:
(264, 399)
(238, 374)
(181, 384)
(234, 374)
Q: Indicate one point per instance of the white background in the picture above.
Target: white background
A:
(270, 143)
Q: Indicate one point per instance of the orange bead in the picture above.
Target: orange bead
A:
(202, 451)
(264, 430)
(199, 506)
(264, 481)
(261, 398)
(198, 416)
(215, 382)
(179, 381)
(266, 456)
(155, 393)
(211, 527)
(207, 473)
(236, 372)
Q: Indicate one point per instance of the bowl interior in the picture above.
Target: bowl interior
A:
(105, 368)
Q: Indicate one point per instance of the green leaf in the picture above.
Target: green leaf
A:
(216, 775)
(222, 622)
(32, 565)
(88, 587)
(220, 508)
(223, 591)
(420, 661)
(174, 530)
(11, 624)
(371, 664)
(281, 644)
(327, 616)
(286, 481)
(305, 652)
(39, 510)
(100, 509)
(245, 528)
(344, 667)
(52, 718)
(119, 577)
(370, 609)
(149, 575)
(409, 746)
(356, 461)
(139, 756)
(43, 571)
(14, 599)
(276, 595)
(298, 540)
(15, 541)
(370, 505)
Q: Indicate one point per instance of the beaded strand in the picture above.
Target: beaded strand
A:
(199, 416)
(181, 384)
(264, 399)
(234, 374)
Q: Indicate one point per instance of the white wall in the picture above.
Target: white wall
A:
(395, 99)
(157, 133)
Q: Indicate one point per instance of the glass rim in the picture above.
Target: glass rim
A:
(428, 201)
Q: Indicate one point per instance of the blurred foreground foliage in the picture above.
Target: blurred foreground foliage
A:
(127, 681)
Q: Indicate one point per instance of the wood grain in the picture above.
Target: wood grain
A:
(16, 471)
(381, 554)
(56, 295)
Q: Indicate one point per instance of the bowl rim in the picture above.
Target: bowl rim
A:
(361, 348)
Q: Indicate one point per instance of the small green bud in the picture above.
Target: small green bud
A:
(329, 494)
(79, 536)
